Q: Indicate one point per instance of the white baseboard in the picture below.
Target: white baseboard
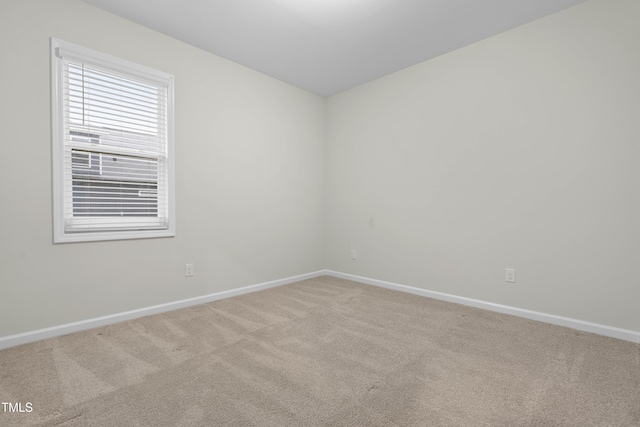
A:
(609, 331)
(56, 331)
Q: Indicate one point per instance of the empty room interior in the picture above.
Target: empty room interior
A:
(368, 212)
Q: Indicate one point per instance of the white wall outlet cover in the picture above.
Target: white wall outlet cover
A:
(510, 275)
(188, 270)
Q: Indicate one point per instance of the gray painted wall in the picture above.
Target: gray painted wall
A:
(520, 151)
(249, 168)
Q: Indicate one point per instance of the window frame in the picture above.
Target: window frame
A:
(61, 179)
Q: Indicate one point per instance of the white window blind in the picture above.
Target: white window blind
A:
(114, 154)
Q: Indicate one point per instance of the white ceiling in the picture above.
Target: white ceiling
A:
(327, 46)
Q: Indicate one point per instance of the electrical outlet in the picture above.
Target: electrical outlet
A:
(188, 270)
(510, 275)
(354, 254)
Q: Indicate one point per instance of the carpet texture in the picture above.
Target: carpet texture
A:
(325, 352)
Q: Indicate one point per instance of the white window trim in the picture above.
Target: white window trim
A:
(61, 48)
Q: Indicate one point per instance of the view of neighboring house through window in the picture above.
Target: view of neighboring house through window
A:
(113, 145)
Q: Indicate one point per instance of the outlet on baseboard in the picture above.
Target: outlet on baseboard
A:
(510, 275)
(354, 254)
(188, 270)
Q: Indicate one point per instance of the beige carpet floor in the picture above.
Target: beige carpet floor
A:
(325, 352)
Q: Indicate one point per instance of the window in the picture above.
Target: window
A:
(112, 147)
